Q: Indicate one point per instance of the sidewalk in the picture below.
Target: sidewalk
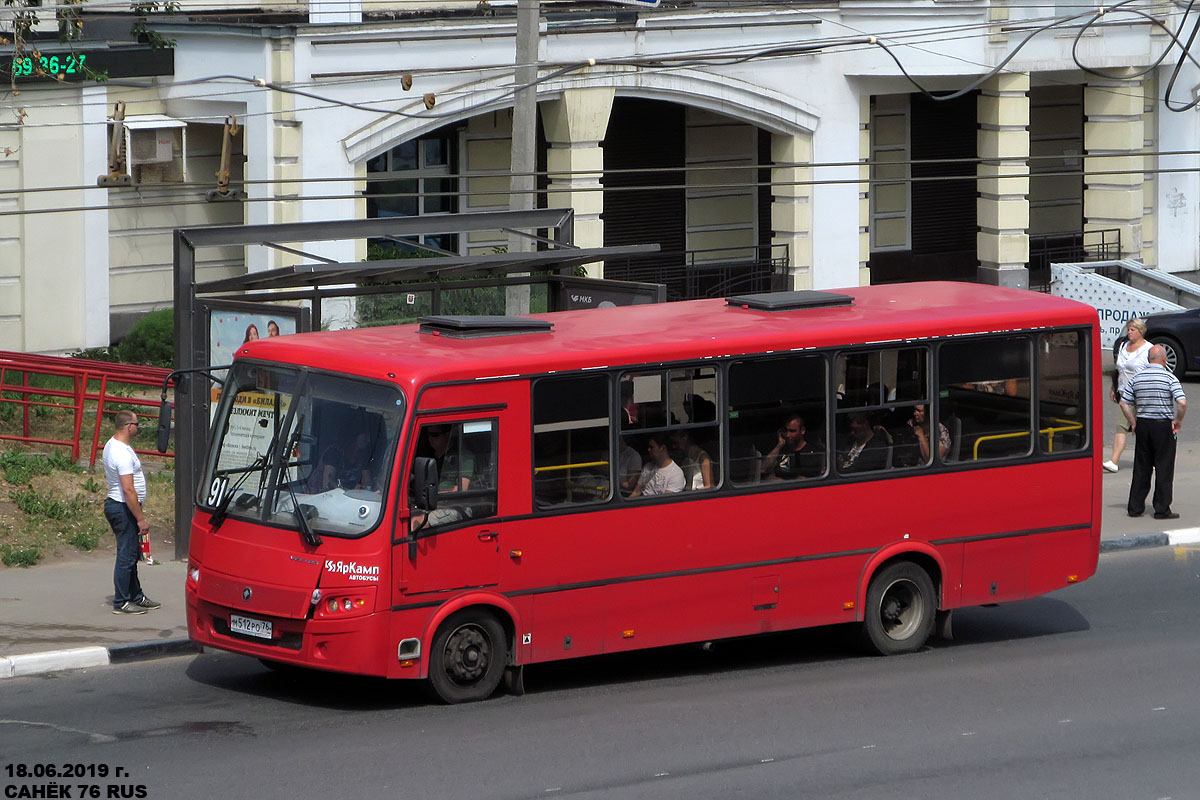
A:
(68, 606)
(47, 610)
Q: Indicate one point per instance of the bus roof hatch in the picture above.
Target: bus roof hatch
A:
(789, 301)
(478, 327)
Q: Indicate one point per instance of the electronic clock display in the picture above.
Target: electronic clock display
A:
(87, 64)
(58, 66)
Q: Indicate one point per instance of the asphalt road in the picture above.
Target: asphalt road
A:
(1088, 692)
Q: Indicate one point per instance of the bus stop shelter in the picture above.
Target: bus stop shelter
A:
(296, 293)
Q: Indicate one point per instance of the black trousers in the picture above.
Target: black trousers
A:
(1154, 452)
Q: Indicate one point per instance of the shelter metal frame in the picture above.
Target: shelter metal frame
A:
(329, 278)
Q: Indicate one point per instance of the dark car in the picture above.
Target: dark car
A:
(1179, 333)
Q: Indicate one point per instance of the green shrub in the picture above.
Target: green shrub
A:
(21, 467)
(35, 503)
(17, 556)
(92, 486)
(151, 341)
(87, 539)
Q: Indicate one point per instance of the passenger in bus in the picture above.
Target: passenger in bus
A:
(630, 464)
(699, 409)
(867, 451)
(794, 456)
(912, 442)
(662, 475)
(695, 462)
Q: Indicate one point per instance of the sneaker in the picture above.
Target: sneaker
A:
(1168, 515)
(1110, 466)
(147, 603)
(129, 608)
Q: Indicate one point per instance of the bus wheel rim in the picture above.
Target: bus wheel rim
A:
(901, 609)
(468, 653)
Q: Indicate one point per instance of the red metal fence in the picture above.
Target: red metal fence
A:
(94, 388)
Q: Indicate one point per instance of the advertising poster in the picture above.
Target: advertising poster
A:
(230, 326)
(251, 426)
(229, 329)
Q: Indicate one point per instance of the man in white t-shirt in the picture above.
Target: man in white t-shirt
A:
(123, 509)
(662, 475)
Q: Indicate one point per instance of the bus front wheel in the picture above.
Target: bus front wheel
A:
(467, 658)
(901, 606)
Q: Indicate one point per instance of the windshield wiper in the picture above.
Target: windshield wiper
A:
(218, 516)
(306, 531)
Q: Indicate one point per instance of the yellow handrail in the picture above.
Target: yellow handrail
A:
(539, 470)
(1068, 426)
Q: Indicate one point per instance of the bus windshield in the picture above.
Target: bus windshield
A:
(300, 449)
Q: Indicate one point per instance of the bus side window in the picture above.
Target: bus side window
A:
(465, 455)
(984, 391)
(571, 442)
(1062, 392)
(777, 419)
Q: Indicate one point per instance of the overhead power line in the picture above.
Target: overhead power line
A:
(552, 190)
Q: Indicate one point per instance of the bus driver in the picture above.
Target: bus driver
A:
(436, 441)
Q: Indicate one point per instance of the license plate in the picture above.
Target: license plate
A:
(249, 626)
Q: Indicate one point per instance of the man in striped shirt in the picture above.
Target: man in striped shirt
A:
(1161, 404)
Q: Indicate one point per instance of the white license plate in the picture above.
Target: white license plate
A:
(249, 626)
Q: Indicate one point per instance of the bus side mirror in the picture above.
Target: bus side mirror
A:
(162, 437)
(424, 486)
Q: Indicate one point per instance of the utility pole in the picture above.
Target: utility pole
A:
(524, 139)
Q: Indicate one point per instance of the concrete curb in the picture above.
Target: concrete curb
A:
(1134, 542)
(83, 657)
(1167, 538)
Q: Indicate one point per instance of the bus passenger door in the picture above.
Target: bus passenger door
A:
(457, 545)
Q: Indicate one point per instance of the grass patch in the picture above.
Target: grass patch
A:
(60, 511)
(36, 504)
(86, 538)
(19, 555)
(20, 467)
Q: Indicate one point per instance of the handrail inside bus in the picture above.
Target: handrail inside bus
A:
(1067, 425)
(556, 468)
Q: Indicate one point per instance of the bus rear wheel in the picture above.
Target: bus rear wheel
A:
(467, 658)
(901, 607)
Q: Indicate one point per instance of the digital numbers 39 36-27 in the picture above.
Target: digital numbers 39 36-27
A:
(66, 64)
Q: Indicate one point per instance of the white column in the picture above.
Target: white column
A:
(1003, 181)
(1113, 169)
(1178, 201)
(575, 126)
(791, 204)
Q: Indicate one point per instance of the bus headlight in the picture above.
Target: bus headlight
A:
(341, 606)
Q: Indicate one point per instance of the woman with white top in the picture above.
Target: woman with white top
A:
(1131, 359)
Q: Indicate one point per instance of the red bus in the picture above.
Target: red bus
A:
(456, 499)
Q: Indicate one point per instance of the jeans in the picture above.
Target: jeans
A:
(126, 586)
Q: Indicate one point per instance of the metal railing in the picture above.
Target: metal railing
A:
(39, 385)
(1069, 248)
(715, 272)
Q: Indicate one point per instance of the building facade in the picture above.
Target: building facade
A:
(735, 135)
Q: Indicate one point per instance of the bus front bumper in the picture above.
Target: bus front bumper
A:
(351, 645)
